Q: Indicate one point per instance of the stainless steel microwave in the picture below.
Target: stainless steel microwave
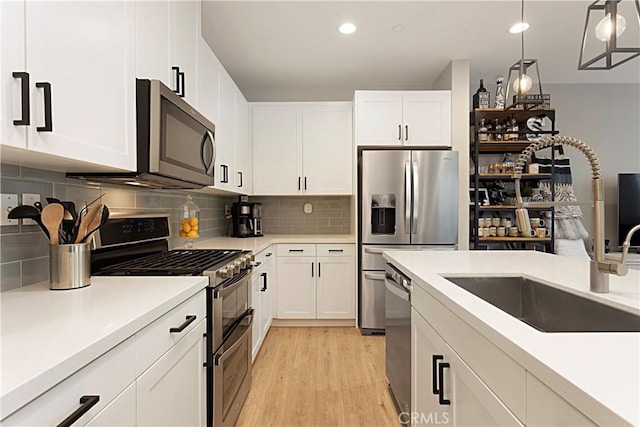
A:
(176, 145)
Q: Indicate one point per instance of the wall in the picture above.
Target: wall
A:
(604, 116)
(284, 215)
(456, 78)
(24, 249)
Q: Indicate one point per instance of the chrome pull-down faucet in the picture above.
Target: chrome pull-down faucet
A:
(599, 268)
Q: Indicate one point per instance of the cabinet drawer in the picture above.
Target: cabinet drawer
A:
(293, 249)
(338, 249)
(505, 377)
(105, 377)
(265, 255)
(154, 340)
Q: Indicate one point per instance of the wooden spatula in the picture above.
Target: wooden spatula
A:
(88, 220)
(51, 218)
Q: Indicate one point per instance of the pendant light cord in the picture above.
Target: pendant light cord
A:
(522, 32)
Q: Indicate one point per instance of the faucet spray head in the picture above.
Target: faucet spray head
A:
(522, 214)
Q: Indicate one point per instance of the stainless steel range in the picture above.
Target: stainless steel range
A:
(136, 244)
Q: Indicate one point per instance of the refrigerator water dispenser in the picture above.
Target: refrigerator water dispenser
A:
(383, 214)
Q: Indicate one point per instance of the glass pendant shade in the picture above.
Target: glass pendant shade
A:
(611, 34)
(522, 84)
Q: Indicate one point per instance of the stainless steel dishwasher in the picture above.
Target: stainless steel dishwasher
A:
(398, 337)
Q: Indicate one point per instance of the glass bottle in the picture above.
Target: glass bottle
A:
(497, 126)
(481, 97)
(499, 93)
(482, 137)
(189, 222)
(514, 129)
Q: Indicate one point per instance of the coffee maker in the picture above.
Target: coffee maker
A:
(247, 219)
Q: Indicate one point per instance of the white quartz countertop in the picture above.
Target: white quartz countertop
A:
(598, 373)
(256, 244)
(48, 335)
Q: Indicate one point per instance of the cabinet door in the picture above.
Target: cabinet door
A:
(427, 118)
(226, 131)
(86, 51)
(120, 412)
(266, 309)
(336, 288)
(425, 404)
(153, 25)
(13, 60)
(256, 303)
(296, 288)
(378, 116)
(327, 149)
(185, 37)
(171, 392)
(242, 176)
(277, 150)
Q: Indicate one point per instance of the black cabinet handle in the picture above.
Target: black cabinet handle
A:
(87, 403)
(438, 378)
(225, 174)
(399, 132)
(48, 123)
(295, 250)
(25, 120)
(305, 182)
(181, 84)
(336, 250)
(264, 283)
(177, 70)
(406, 132)
(240, 175)
(269, 254)
(312, 269)
(298, 183)
(319, 274)
(189, 320)
(441, 398)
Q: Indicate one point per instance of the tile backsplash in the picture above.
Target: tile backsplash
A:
(24, 251)
(285, 215)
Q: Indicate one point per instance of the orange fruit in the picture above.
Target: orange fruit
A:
(194, 227)
(186, 227)
(184, 221)
(193, 221)
(183, 234)
(192, 234)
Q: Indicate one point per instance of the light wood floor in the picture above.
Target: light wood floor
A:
(319, 377)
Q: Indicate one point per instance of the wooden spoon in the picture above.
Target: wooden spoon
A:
(51, 217)
(87, 221)
(96, 224)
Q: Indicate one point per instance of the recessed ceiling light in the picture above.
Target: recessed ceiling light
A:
(398, 28)
(347, 28)
(518, 28)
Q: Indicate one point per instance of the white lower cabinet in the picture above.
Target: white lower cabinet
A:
(263, 285)
(172, 391)
(445, 390)
(316, 281)
(120, 412)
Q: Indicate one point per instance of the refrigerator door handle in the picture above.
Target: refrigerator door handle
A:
(407, 198)
(416, 195)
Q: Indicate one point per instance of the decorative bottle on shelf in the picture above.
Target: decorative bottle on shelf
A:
(482, 137)
(481, 97)
(514, 129)
(499, 93)
(189, 222)
(498, 128)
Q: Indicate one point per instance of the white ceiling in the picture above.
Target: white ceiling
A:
(287, 50)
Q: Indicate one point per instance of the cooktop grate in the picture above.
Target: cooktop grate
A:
(177, 262)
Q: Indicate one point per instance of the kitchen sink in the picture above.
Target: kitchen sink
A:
(546, 308)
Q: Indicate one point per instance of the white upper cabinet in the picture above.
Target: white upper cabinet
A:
(226, 136)
(403, 118)
(302, 149)
(208, 84)
(80, 61)
(12, 102)
(243, 172)
(167, 44)
(277, 152)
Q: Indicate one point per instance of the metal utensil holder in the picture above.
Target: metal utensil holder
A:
(69, 266)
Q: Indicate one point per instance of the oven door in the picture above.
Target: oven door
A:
(181, 140)
(230, 303)
(232, 372)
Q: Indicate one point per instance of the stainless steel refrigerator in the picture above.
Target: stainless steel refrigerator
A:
(408, 200)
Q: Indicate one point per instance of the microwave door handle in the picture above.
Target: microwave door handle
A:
(207, 163)
(415, 195)
(212, 139)
(407, 198)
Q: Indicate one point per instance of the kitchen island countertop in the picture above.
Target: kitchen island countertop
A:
(595, 372)
(48, 335)
(257, 244)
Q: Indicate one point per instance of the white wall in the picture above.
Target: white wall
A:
(455, 77)
(607, 118)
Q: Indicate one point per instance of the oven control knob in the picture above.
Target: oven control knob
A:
(236, 267)
(222, 272)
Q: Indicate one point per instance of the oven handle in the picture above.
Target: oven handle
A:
(219, 359)
(217, 294)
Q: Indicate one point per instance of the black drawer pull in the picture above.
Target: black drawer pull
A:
(181, 83)
(296, 250)
(87, 403)
(264, 285)
(25, 120)
(48, 122)
(177, 70)
(441, 398)
(269, 254)
(190, 319)
(336, 250)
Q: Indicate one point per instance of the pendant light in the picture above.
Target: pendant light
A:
(523, 77)
(605, 38)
